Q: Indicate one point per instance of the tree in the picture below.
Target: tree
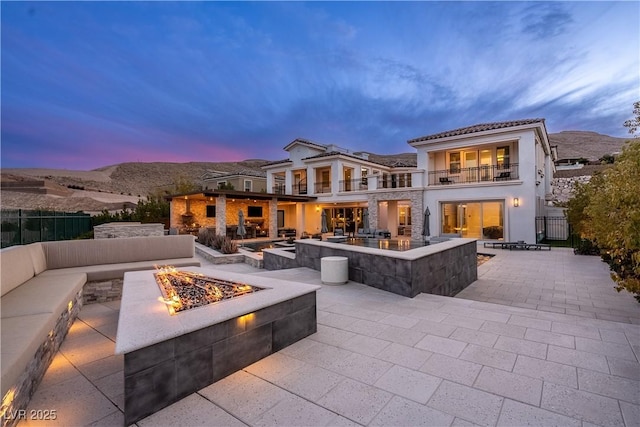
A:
(607, 211)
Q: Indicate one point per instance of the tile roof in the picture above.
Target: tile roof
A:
(243, 172)
(477, 128)
(339, 153)
(277, 162)
(305, 141)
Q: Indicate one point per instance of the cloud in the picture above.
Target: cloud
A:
(546, 20)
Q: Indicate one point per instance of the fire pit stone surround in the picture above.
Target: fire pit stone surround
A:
(169, 357)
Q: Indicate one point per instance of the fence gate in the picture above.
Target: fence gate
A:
(555, 230)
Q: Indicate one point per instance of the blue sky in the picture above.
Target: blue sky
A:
(87, 84)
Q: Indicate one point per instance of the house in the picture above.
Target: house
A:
(345, 184)
(245, 180)
(487, 181)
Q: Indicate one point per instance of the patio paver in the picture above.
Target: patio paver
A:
(460, 361)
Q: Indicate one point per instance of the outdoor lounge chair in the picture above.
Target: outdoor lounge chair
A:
(338, 232)
(503, 176)
(445, 180)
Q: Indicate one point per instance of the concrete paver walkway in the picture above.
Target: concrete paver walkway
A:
(382, 359)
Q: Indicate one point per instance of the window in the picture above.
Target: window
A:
(247, 184)
(502, 156)
(211, 211)
(454, 162)
(254, 211)
(222, 184)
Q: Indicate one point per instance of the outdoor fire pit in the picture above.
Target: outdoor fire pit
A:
(183, 290)
(201, 339)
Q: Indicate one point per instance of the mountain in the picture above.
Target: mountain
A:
(111, 187)
(574, 144)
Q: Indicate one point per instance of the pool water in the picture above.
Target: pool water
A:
(393, 245)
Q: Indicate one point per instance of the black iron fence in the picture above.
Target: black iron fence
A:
(555, 230)
(486, 173)
(20, 227)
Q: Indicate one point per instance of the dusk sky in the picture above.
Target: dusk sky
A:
(87, 84)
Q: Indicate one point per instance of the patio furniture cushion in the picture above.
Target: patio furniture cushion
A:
(42, 294)
(16, 266)
(21, 338)
(76, 253)
(117, 270)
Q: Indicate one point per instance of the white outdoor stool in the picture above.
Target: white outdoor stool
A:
(334, 270)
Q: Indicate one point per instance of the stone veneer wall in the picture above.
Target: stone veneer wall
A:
(102, 291)
(417, 209)
(124, 229)
(446, 272)
(279, 259)
(163, 373)
(29, 380)
(562, 188)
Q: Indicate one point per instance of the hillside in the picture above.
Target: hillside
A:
(111, 186)
(573, 144)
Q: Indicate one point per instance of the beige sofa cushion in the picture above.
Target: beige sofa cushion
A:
(16, 267)
(37, 257)
(116, 271)
(21, 337)
(78, 253)
(41, 295)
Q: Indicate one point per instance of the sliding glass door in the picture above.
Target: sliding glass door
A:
(473, 219)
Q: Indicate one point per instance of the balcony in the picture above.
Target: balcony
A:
(396, 180)
(299, 188)
(353, 185)
(322, 187)
(472, 175)
(279, 189)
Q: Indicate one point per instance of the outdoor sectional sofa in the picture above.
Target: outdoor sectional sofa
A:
(42, 293)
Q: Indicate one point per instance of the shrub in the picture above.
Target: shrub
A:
(206, 236)
(217, 241)
(228, 246)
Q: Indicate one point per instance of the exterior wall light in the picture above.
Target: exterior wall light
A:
(516, 202)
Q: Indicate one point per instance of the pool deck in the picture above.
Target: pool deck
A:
(541, 338)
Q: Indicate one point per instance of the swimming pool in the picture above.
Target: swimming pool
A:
(393, 245)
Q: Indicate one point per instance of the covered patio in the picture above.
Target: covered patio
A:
(265, 215)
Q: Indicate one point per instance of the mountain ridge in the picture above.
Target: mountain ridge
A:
(111, 186)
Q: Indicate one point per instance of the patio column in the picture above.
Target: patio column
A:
(221, 215)
(273, 217)
(372, 203)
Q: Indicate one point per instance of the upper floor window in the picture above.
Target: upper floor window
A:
(248, 185)
(454, 162)
(502, 157)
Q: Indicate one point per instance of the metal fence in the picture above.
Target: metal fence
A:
(20, 227)
(555, 230)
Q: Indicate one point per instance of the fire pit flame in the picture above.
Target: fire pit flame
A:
(183, 290)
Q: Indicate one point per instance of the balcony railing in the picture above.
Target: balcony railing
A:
(323, 187)
(471, 175)
(300, 188)
(279, 189)
(394, 180)
(353, 185)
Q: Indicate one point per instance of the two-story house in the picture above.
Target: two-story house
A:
(345, 184)
(487, 181)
